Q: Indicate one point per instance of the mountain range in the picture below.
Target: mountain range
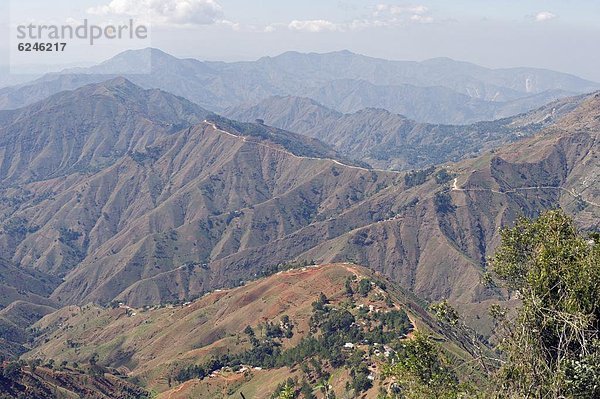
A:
(436, 91)
(144, 235)
(392, 141)
(169, 209)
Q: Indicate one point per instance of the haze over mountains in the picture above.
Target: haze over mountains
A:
(438, 90)
(131, 190)
(391, 141)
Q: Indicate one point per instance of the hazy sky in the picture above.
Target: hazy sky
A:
(557, 34)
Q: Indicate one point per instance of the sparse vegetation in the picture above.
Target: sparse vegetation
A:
(39, 378)
(331, 330)
(417, 177)
(442, 176)
(67, 236)
(443, 203)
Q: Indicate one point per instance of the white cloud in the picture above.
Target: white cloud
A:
(271, 28)
(164, 12)
(423, 19)
(544, 16)
(314, 26)
(384, 15)
(320, 25)
(397, 10)
(236, 26)
(393, 14)
(359, 24)
(383, 9)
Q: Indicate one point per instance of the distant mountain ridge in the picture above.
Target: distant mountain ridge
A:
(439, 90)
(434, 104)
(391, 141)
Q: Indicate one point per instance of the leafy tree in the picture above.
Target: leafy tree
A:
(305, 368)
(325, 387)
(442, 176)
(422, 371)
(288, 326)
(307, 391)
(443, 203)
(93, 360)
(364, 286)
(273, 330)
(323, 299)
(249, 331)
(12, 371)
(470, 340)
(287, 392)
(417, 177)
(348, 287)
(361, 381)
(552, 345)
(319, 305)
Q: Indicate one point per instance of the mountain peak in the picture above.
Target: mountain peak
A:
(344, 52)
(118, 86)
(449, 62)
(440, 60)
(298, 54)
(119, 81)
(145, 52)
(116, 113)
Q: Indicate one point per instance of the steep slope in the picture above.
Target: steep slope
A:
(156, 345)
(220, 202)
(557, 167)
(436, 104)
(198, 175)
(43, 382)
(20, 284)
(216, 193)
(23, 301)
(87, 129)
(387, 140)
(440, 91)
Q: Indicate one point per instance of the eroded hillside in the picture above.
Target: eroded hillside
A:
(217, 203)
(252, 338)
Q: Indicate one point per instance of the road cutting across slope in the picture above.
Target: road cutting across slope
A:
(335, 161)
(571, 192)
